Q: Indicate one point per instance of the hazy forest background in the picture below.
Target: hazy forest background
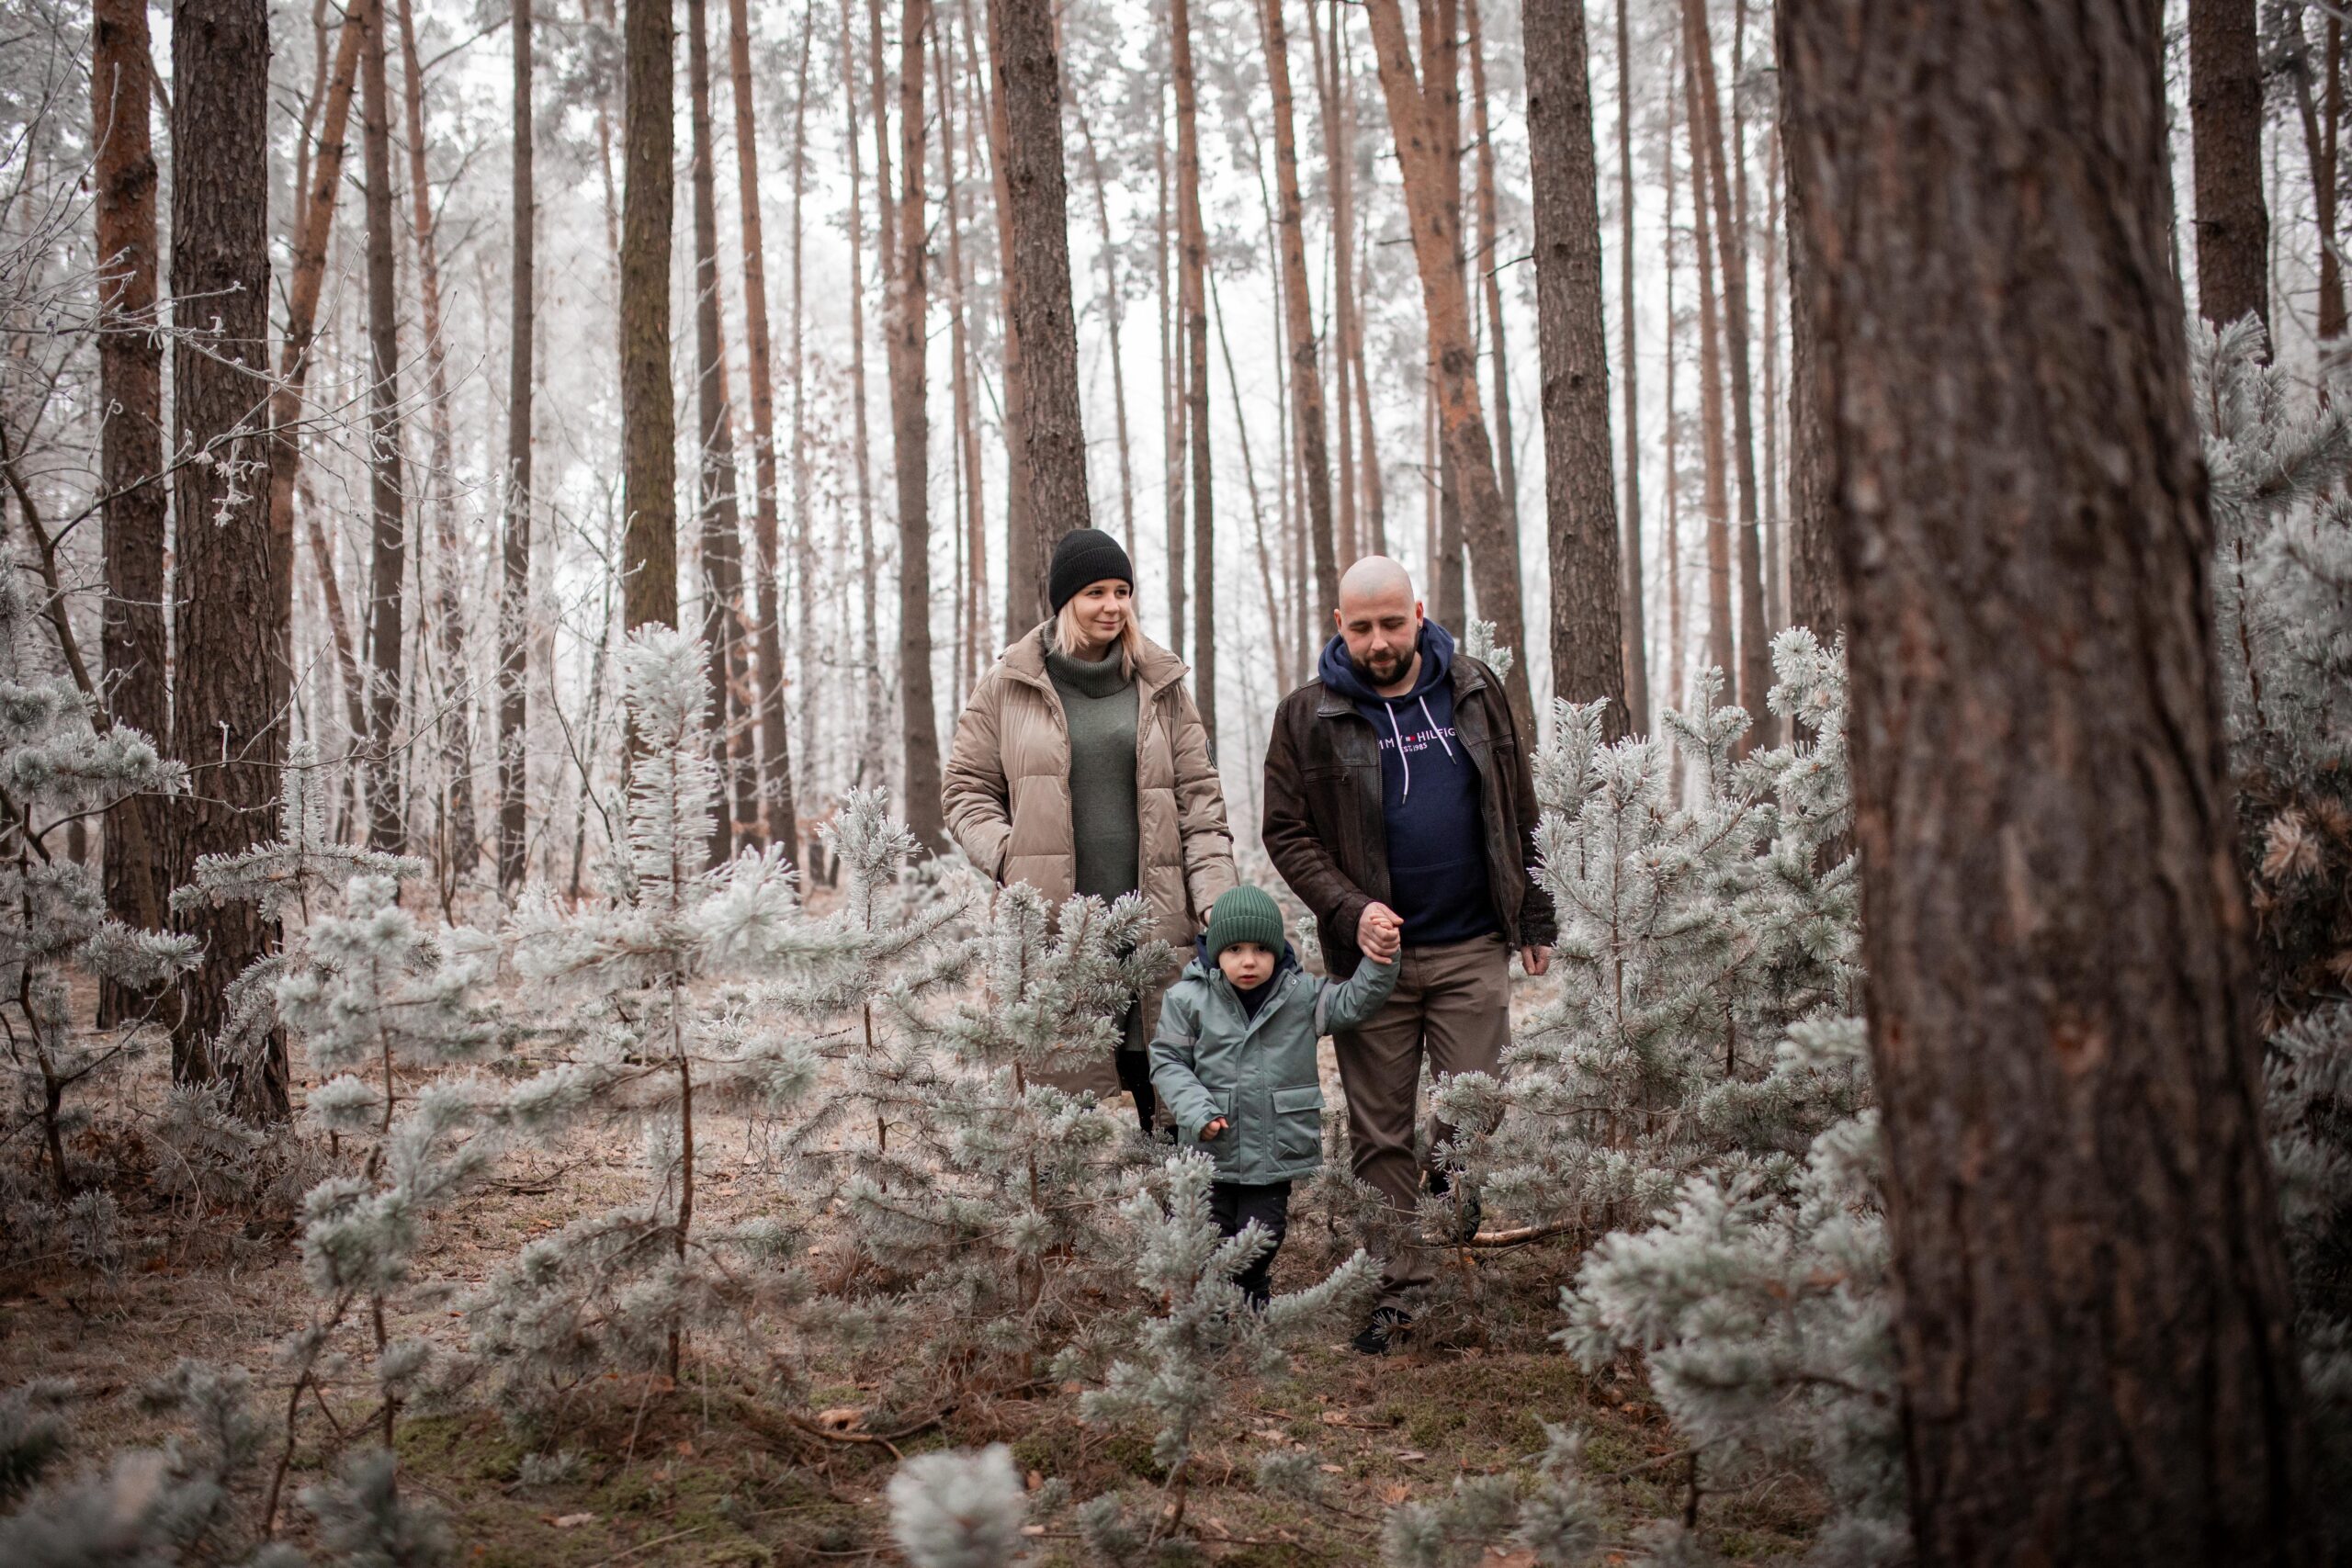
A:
(492, 1077)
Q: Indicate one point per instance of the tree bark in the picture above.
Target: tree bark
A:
(131, 387)
(387, 554)
(1028, 82)
(910, 439)
(1024, 565)
(1571, 341)
(1299, 314)
(232, 579)
(1755, 671)
(1815, 599)
(1192, 241)
(1490, 263)
(798, 787)
(1338, 178)
(515, 548)
(649, 416)
(778, 816)
(1113, 311)
(1437, 256)
(2226, 135)
(1633, 599)
(1172, 400)
(721, 516)
(1711, 380)
(872, 707)
(2319, 156)
(457, 705)
(2092, 1316)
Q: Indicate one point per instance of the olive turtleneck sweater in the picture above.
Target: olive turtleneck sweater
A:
(1100, 702)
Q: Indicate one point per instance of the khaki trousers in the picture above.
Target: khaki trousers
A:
(1453, 1005)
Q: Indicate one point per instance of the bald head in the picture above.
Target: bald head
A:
(1380, 621)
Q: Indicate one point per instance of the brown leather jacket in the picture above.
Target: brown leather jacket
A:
(1323, 827)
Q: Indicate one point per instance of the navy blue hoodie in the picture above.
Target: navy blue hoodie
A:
(1429, 796)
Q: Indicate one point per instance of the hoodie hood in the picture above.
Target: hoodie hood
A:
(1338, 672)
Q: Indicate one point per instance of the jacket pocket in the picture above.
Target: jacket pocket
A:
(1298, 1121)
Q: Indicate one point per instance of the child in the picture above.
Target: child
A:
(1234, 1060)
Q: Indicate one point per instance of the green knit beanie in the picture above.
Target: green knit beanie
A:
(1245, 914)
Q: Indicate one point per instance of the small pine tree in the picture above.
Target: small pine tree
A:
(59, 763)
(648, 1043)
(957, 1509)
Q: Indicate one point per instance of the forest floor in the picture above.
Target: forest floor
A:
(711, 1472)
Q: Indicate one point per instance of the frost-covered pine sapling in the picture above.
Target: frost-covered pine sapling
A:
(296, 875)
(373, 994)
(649, 1048)
(958, 1509)
(990, 1206)
(59, 762)
(1184, 1360)
(1691, 938)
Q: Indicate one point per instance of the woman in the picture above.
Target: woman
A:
(1081, 766)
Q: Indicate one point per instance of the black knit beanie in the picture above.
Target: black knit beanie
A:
(1084, 556)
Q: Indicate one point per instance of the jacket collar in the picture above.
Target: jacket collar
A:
(1467, 675)
(1158, 670)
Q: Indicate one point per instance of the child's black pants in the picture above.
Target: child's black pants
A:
(1233, 1204)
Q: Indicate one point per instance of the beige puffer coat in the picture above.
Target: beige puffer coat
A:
(1007, 800)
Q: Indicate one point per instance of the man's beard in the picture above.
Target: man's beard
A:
(1372, 672)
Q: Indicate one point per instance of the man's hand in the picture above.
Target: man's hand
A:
(1379, 933)
(1535, 960)
(1214, 1130)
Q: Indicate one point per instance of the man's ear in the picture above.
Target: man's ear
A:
(1417, 611)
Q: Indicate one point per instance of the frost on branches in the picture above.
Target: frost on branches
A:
(60, 761)
(646, 1034)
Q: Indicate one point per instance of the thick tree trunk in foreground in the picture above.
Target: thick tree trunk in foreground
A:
(1028, 81)
(2093, 1322)
(910, 440)
(649, 417)
(131, 385)
(229, 681)
(2225, 134)
(1436, 254)
(1579, 481)
(387, 554)
(1298, 318)
(515, 548)
(778, 818)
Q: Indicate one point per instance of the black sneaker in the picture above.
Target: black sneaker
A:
(1383, 1332)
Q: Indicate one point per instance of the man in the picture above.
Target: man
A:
(1400, 807)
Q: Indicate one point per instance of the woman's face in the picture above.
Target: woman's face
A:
(1102, 610)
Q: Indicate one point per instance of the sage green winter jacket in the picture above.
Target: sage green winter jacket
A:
(1209, 1058)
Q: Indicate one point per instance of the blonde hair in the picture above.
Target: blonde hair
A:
(1069, 636)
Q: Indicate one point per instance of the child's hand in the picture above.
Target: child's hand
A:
(1214, 1130)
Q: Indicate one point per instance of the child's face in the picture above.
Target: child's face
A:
(1247, 964)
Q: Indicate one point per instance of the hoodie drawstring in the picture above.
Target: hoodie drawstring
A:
(1402, 755)
(1435, 731)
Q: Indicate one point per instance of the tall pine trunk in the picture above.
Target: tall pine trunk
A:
(1755, 672)
(799, 786)
(1171, 397)
(1114, 310)
(1298, 317)
(1633, 599)
(649, 416)
(1421, 156)
(1192, 290)
(720, 515)
(1023, 564)
(1711, 380)
(910, 440)
(440, 479)
(1816, 600)
(1488, 262)
(514, 548)
(2225, 134)
(1035, 215)
(131, 387)
(872, 707)
(1572, 342)
(233, 581)
(778, 818)
(388, 553)
(2093, 1323)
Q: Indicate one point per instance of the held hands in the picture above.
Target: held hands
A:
(1214, 1130)
(1535, 960)
(1379, 933)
